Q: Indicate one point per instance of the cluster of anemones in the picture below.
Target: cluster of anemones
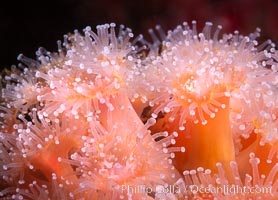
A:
(112, 117)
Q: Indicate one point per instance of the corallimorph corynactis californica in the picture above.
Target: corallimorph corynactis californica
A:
(190, 115)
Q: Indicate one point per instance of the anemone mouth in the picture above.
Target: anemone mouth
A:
(188, 89)
(80, 94)
(102, 87)
(198, 95)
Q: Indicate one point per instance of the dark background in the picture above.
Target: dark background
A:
(26, 25)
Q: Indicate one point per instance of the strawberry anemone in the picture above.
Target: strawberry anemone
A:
(220, 96)
(120, 155)
(71, 128)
